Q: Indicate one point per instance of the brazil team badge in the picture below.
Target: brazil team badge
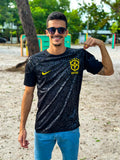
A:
(74, 64)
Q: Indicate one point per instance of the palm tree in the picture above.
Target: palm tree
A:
(28, 26)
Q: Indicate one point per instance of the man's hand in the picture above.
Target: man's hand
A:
(106, 60)
(22, 139)
(90, 42)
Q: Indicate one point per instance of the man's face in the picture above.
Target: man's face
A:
(56, 38)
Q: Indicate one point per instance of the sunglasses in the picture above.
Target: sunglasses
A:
(52, 30)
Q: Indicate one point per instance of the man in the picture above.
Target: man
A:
(58, 73)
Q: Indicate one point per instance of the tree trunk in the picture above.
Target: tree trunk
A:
(28, 26)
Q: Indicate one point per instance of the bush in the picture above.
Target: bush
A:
(101, 37)
(74, 37)
(77, 41)
(6, 34)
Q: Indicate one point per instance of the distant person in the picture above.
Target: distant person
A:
(58, 73)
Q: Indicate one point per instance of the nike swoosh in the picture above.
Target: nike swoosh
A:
(44, 73)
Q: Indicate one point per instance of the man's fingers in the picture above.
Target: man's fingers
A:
(25, 145)
(22, 139)
(89, 43)
(86, 46)
(21, 142)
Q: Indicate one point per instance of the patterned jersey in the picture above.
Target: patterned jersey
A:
(58, 79)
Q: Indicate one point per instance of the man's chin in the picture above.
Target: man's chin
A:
(57, 45)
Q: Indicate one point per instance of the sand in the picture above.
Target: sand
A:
(99, 111)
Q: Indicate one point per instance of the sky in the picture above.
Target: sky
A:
(74, 4)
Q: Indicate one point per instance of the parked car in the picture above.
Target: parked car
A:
(109, 40)
(118, 40)
(3, 40)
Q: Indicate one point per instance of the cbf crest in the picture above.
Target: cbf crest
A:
(75, 65)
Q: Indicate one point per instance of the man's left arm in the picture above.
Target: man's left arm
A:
(106, 60)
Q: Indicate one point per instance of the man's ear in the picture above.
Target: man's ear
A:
(67, 32)
(46, 31)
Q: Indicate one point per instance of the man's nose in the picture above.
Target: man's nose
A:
(56, 32)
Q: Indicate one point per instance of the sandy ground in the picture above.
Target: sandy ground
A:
(99, 111)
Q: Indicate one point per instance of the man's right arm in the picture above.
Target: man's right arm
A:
(25, 109)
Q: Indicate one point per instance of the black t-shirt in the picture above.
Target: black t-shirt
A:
(58, 79)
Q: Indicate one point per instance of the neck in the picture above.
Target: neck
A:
(56, 50)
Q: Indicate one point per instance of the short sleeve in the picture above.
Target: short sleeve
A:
(91, 64)
(30, 75)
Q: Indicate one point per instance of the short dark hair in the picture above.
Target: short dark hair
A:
(58, 16)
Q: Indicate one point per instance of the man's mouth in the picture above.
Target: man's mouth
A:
(56, 38)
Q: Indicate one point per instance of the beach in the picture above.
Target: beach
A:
(99, 110)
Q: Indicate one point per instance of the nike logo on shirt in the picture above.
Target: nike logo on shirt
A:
(44, 73)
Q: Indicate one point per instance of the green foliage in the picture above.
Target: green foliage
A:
(44, 4)
(64, 5)
(9, 14)
(39, 15)
(13, 33)
(114, 27)
(96, 17)
(74, 24)
(3, 7)
(98, 36)
(40, 10)
(97, 140)
(77, 41)
(6, 34)
(115, 13)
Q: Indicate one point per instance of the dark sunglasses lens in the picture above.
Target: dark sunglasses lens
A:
(61, 30)
(51, 30)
